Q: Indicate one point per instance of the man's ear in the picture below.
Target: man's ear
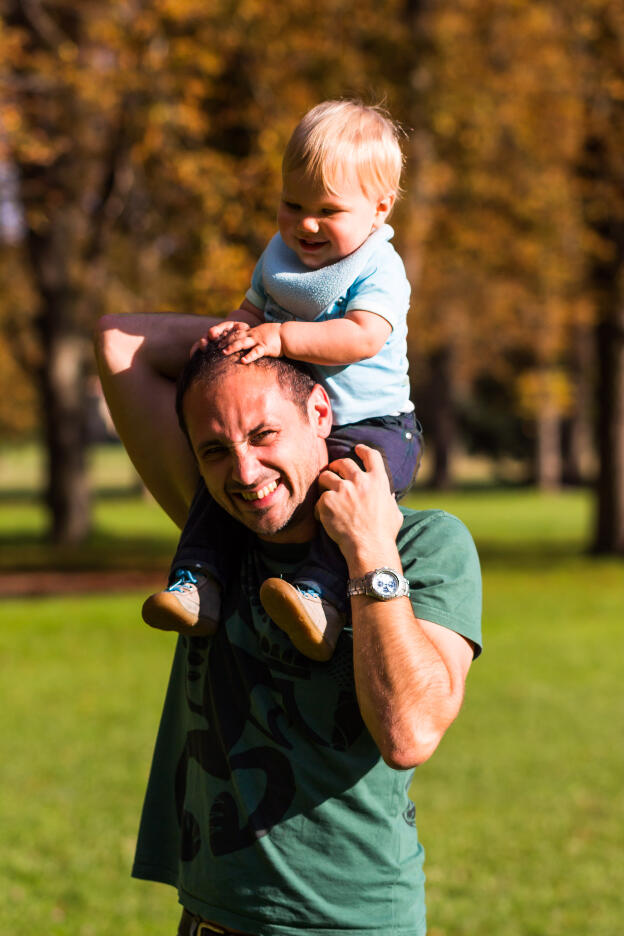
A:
(320, 411)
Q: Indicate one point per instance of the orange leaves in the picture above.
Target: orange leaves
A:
(161, 125)
(547, 388)
(504, 261)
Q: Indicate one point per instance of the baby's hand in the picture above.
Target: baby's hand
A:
(225, 328)
(218, 331)
(262, 340)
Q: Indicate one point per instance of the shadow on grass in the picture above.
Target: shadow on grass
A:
(514, 528)
(31, 552)
(524, 555)
(26, 495)
(495, 485)
(151, 553)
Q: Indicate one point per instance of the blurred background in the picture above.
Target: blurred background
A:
(140, 150)
(140, 147)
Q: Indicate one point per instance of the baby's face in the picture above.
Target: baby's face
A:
(322, 227)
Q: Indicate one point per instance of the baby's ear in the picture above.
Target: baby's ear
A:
(384, 206)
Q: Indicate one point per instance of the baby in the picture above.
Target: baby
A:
(329, 290)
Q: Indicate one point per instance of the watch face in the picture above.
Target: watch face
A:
(385, 583)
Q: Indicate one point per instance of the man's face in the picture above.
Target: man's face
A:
(258, 453)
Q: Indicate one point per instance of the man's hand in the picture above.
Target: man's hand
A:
(357, 507)
(409, 672)
(262, 341)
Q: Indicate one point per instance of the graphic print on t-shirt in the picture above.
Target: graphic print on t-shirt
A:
(243, 736)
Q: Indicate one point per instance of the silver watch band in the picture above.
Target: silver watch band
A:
(356, 587)
(369, 585)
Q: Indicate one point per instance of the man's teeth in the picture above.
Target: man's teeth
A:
(258, 495)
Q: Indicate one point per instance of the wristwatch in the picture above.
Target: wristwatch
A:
(382, 584)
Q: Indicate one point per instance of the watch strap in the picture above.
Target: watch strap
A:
(363, 585)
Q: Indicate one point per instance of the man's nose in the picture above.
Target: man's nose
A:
(244, 465)
(309, 224)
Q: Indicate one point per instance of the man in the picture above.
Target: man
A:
(277, 801)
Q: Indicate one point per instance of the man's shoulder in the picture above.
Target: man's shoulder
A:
(433, 517)
(441, 563)
(434, 527)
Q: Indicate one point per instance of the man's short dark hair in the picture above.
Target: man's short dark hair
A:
(209, 363)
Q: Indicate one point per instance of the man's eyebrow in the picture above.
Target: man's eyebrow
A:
(217, 442)
(257, 428)
(210, 443)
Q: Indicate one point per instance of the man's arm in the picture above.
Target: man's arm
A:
(409, 673)
(139, 358)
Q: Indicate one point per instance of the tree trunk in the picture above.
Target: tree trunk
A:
(63, 393)
(548, 448)
(417, 208)
(578, 452)
(62, 385)
(609, 529)
(608, 280)
(443, 429)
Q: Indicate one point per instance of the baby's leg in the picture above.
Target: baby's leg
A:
(398, 438)
(313, 609)
(191, 603)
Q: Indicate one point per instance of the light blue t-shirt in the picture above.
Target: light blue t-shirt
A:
(371, 279)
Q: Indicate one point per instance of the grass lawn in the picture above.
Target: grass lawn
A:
(129, 532)
(521, 809)
(83, 685)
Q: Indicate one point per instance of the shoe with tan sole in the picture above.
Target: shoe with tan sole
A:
(312, 623)
(190, 605)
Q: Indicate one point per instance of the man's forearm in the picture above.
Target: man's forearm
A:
(406, 692)
(139, 357)
(409, 673)
(162, 341)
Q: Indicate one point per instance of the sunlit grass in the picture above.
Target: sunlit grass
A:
(129, 532)
(505, 520)
(23, 466)
(83, 684)
(520, 809)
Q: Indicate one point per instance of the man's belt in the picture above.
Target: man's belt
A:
(193, 925)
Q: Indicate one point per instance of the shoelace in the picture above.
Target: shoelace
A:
(308, 592)
(184, 579)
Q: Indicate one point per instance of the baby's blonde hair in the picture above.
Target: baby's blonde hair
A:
(337, 136)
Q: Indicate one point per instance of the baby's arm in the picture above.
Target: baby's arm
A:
(357, 336)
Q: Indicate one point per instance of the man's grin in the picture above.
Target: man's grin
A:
(259, 494)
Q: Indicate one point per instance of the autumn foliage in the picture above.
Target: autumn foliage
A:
(145, 141)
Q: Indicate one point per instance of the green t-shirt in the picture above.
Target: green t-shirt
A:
(269, 806)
